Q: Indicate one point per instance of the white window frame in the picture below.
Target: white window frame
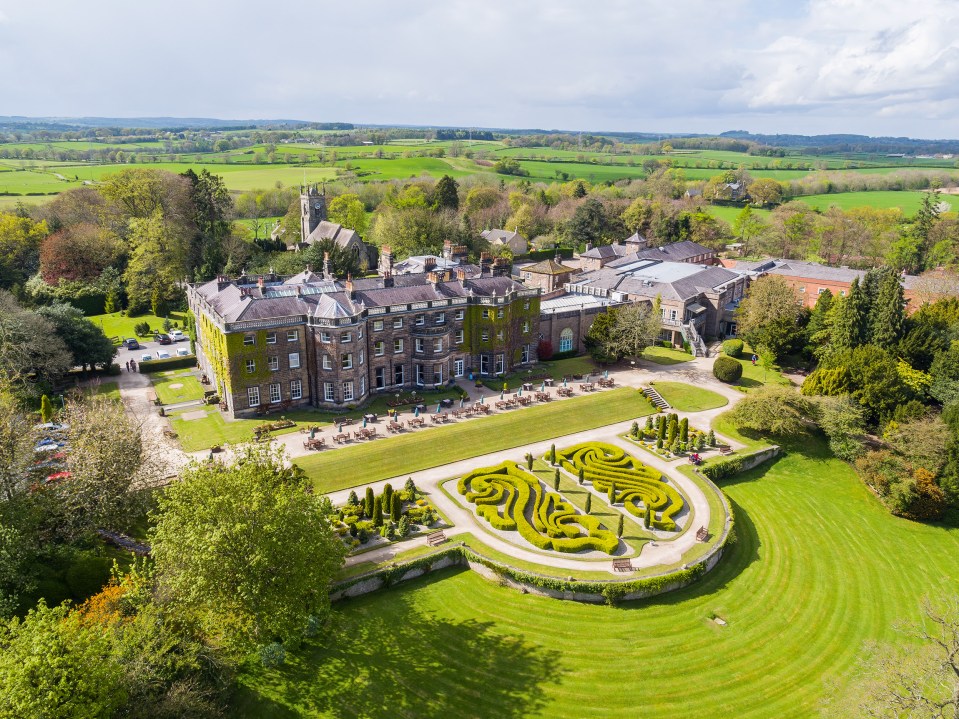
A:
(420, 320)
(348, 394)
(398, 323)
(253, 396)
(250, 366)
(485, 314)
(293, 336)
(499, 335)
(276, 394)
(271, 338)
(379, 348)
(460, 337)
(249, 340)
(379, 377)
(377, 325)
(327, 362)
(459, 367)
(398, 345)
(499, 363)
(273, 363)
(566, 340)
(346, 361)
(328, 395)
(484, 336)
(438, 344)
(499, 313)
(294, 360)
(460, 314)
(525, 353)
(401, 368)
(525, 327)
(362, 359)
(346, 338)
(362, 385)
(441, 318)
(296, 389)
(326, 337)
(418, 345)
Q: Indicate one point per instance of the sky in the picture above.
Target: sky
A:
(876, 67)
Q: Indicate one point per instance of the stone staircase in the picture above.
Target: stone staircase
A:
(656, 398)
(695, 341)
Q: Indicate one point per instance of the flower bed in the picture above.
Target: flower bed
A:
(670, 437)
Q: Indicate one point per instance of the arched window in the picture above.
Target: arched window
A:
(566, 340)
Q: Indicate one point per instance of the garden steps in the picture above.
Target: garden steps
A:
(656, 398)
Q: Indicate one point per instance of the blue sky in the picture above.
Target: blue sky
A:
(872, 67)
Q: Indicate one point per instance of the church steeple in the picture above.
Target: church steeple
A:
(312, 210)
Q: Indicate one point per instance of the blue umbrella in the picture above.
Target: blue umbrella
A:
(416, 411)
(312, 432)
(438, 407)
(461, 402)
(543, 388)
(520, 393)
(564, 381)
(606, 374)
(364, 423)
(501, 395)
(341, 428)
(482, 400)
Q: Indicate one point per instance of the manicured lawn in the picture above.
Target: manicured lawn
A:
(755, 376)
(106, 389)
(819, 569)
(687, 398)
(198, 434)
(557, 369)
(665, 355)
(908, 202)
(120, 326)
(425, 448)
(164, 385)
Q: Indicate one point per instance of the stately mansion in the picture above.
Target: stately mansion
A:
(312, 339)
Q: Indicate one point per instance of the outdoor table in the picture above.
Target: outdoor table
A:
(528, 386)
(548, 381)
(447, 402)
(369, 417)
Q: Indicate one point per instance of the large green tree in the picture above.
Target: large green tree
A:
(624, 331)
(769, 314)
(29, 346)
(445, 193)
(246, 549)
(349, 211)
(87, 343)
(888, 314)
(20, 239)
(212, 207)
(851, 323)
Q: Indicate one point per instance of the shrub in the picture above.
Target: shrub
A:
(388, 497)
(556, 479)
(404, 526)
(589, 503)
(724, 468)
(411, 489)
(141, 329)
(726, 369)
(733, 348)
(396, 507)
(272, 655)
(161, 365)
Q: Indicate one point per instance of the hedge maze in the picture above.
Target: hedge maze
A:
(640, 488)
(542, 518)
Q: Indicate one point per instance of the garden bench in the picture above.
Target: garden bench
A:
(525, 401)
(702, 534)
(622, 565)
(345, 437)
(435, 538)
(542, 396)
(725, 449)
(459, 412)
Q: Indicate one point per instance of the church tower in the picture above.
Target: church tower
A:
(312, 210)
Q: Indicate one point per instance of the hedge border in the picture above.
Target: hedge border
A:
(162, 365)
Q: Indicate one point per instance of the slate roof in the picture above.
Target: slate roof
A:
(604, 252)
(673, 252)
(327, 230)
(548, 267)
(501, 237)
(671, 280)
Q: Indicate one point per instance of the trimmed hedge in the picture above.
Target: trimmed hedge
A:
(726, 369)
(638, 486)
(554, 523)
(723, 468)
(166, 364)
(733, 348)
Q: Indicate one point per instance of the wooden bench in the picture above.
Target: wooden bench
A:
(435, 538)
(702, 534)
(605, 383)
(725, 449)
(622, 565)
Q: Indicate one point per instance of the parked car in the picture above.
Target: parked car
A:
(177, 336)
(163, 339)
(163, 354)
(146, 358)
(182, 352)
(131, 344)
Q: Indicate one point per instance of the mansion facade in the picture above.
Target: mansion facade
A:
(312, 340)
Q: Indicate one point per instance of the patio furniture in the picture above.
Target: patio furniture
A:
(702, 534)
(622, 565)
(435, 538)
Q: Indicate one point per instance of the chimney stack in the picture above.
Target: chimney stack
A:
(349, 286)
(260, 282)
(429, 263)
(327, 275)
(486, 263)
(385, 267)
(461, 274)
(432, 278)
(447, 250)
(388, 279)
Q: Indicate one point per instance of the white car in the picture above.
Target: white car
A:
(146, 358)
(182, 352)
(177, 336)
(163, 354)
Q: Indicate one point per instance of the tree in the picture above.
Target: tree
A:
(53, 666)
(29, 345)
(851, 324)
(746, 226)
(245, 549)
(769, 314)
(396, 507)
(152, 269)
(888, 316)
(556, 479)
(349, 211)
(445, 193)
(844, 422)
(20, 239)
(590, 224)
(85, 341)
(378, 512)
(46, 409)
(776, 410)
(108, 461)
(903, 680)
(766, 191)
(80, 252)
(589, 503)
(619, 527)
(342, 261)
(624, 331)
(726, 369)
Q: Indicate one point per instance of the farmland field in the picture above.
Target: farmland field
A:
(819, 569)
(908, 202)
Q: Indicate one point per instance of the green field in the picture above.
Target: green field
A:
(120, 325)
(666, 355)
(908, 202)
(819, 569)
(425, 448)
(687, 398)
(163, 385)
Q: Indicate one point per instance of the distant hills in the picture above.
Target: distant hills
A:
(825, 144)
